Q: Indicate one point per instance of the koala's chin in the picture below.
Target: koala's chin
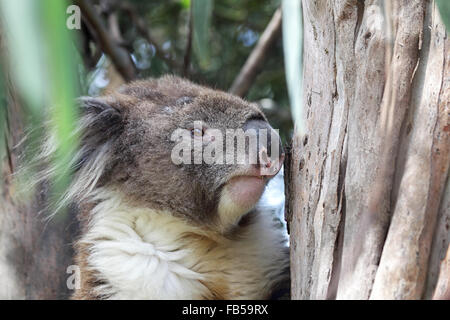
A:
(242, 192)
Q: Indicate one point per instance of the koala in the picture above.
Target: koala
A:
(152, 228)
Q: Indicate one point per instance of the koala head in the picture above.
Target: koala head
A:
(131, 135)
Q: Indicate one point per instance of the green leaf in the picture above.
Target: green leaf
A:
(24, 37)
(293, 59)
(42, 62)
(444, 10)
(201, 24)
(2, 117)
(185, 3)
(62, 87)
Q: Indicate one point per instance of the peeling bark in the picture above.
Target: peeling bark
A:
(370, 173)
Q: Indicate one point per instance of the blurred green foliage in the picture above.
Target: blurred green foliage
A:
(444, 10)
(3, 107)
(62, 89)
(201, 24)
(42, 70)
(232, 32)
(293, 59)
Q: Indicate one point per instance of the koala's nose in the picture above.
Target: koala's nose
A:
(269, 148)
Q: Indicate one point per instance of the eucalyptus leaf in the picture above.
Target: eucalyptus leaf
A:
(444, 10)
(42, 65)
(293, 58)
(185, 3)
(201, 24)
(62, 87)
(24, 37)
(2, 118)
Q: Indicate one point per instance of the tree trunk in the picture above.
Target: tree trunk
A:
(34, 252)
(368, 192)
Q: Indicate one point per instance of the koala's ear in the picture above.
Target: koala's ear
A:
(100, 123)
(100, 118)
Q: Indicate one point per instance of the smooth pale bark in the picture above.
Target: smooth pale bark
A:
(366, 209)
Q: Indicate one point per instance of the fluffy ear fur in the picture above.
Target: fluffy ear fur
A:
(98, 126)
(100, 123)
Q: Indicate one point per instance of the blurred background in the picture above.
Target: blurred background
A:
(209, 45)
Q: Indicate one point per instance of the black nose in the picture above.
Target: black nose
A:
(269, 144)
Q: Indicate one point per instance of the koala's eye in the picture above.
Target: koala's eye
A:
(197, 132)
(256, 117)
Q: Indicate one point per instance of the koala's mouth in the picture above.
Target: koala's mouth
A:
(246, 187)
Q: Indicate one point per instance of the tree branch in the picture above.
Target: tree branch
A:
(249, 71)
(119, 56)
(187, 55)
(144, 31)
(87, 35)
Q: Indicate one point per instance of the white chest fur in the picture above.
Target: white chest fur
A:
(143, 254)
